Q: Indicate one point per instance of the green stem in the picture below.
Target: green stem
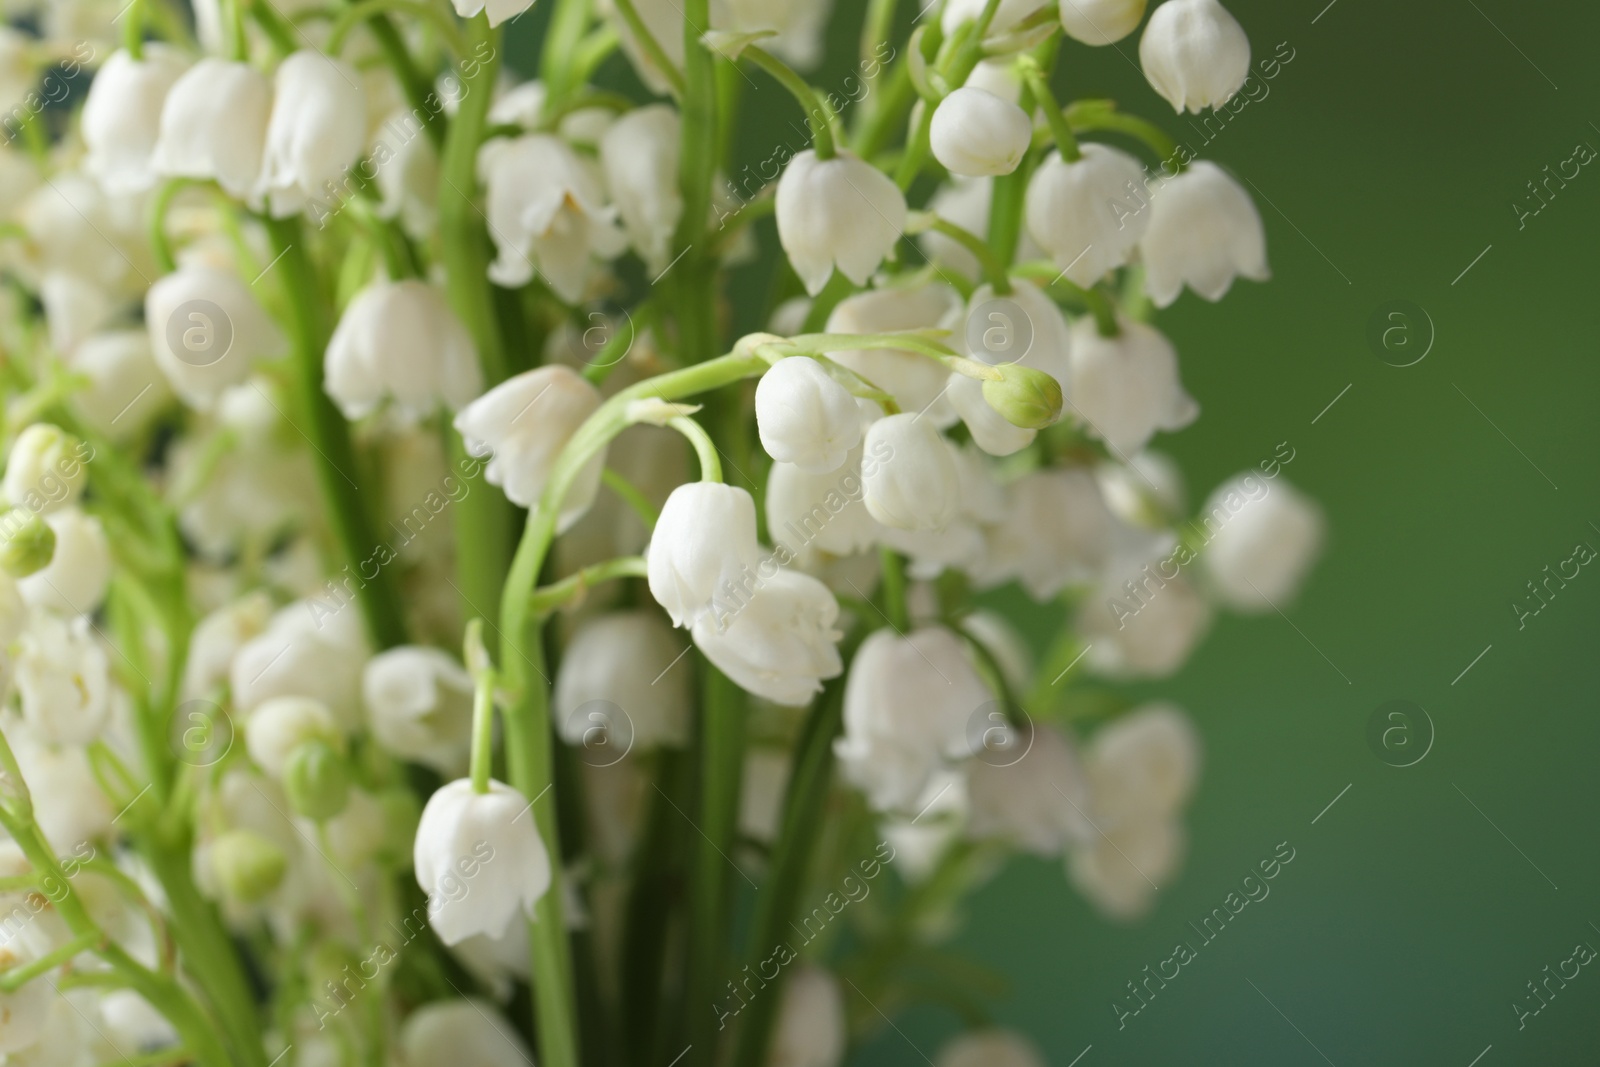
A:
(816, 114)
(894, 588)
(548, 598)
(631, 495)
(330, 437)
(1088, 115)
(559, 61)
(704, 448)
(432, 14)
(482, 727)
(133, 29)
(652, 47)
(1060, 128)
(994, 268)
(160, 204)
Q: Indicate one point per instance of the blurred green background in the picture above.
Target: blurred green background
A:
(1385, 158)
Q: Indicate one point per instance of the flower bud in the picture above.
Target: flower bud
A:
(806, 418)
(46, 470)
(316, 781)
(28, 543)
(1194, 54)
(1026, 397)
(247, 865)
(976, 133)
(1098, 22)
(840, 212)
(914, 483)
(1090, 213)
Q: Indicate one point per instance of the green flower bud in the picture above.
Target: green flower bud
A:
(1024, 397)
(26, 543)
(46, 470)
(247, 865)
(316, 781)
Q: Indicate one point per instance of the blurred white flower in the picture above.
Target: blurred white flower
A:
(461, 1033)
(497, 11)
(626, 659)
(1267, 537)
(311, 648)
(282, 724)
(479, 858)
(639, 154)
(821, 512)
(989, 1048)
(1119, 870)
(913, 483)
(125, 388)
(317, 128)
(1056, 531)
(62, 676)
(206, 330)
(214, 125)
(75, 581)
(914, 380)
(122, 116)
(46, 469)
(419, 706)
(1126, 387)
(1141, 626)
(810, 1031)
(400, 340)
(1029, 790)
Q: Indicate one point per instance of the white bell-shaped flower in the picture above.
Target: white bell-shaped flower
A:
(75, 581)
(1143, 765)
(206, 330)
(419, 706)
(479, 858)
(400, 340)
(74, 307)
(46, 469)
(122, 116)
(990, 1048)
(914, 380)
(823, 512)
(841, 212)
(1147, 634)
(407, 166)
(910, 704)
(462, 1033)
(1029, 790)
(810, 1031)
(124, 389)
(913, 482)
(1088, 215)
(621, 666)
(1100, 22)
(1194, 53)
(1126, 387)
(703, 554)
(214, 125)
(218, 637)
(779, 642)
(1119, 870)
(318, 127)
(805, 417)
(312, 648)
(547, 214)
(63, 678)
(1204, 231)
(498, 11)
(976, 133)
(1262, 538)
(1056, 531)
(278, 726)
(523, 424)
(639, 155)
(68, 803)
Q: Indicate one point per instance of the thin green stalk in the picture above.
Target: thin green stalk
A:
(994, 268)
(330, 438)
(1060, 128)
(652, 47)
(434, 15)
(704, 448)
(558, 65)
(894, 588)
(805, 96)
(548, 598)
(133, 29)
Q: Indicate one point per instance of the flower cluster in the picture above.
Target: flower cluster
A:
(415, 604)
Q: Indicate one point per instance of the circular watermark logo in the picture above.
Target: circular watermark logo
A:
(201, 734)
(1400, 733)
(199, 333)
(999, 331)
(1400, 333)
(602, 329)
(601, 731)
(993, 737)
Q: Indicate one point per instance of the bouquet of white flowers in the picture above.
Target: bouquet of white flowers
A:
(429, 636)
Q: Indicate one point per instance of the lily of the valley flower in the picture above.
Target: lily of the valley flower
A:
(309, 649)
(1089, 214)
(703, 551)
(62, 676)
(206, 330)
(1204, 231)
(914, 380)
(811, 1023)
(1099, 22)
(625, 659)
(1126, 387)
(639, 154)
(461, 1033)
(1195, 54)
(75, 581)
(279, 726)
(479, 858)
(990, 1048)
(1268, 537)
(122, 116)
(317, 128)
(547, 214)
(917, 486)
(401, 340)
(419, 706)
(497, 11)
(840, 212)
(46, 469)
(805, 417)
(214, 125)
(1038, 800)
(523, 424)
(976, 133)
(780, 642)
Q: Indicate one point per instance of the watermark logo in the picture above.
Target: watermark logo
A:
(600, 730)
(1400, 333)
(199, 333)
(201, 733)
(999, 332)
(1400, 733)
(993, 737)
